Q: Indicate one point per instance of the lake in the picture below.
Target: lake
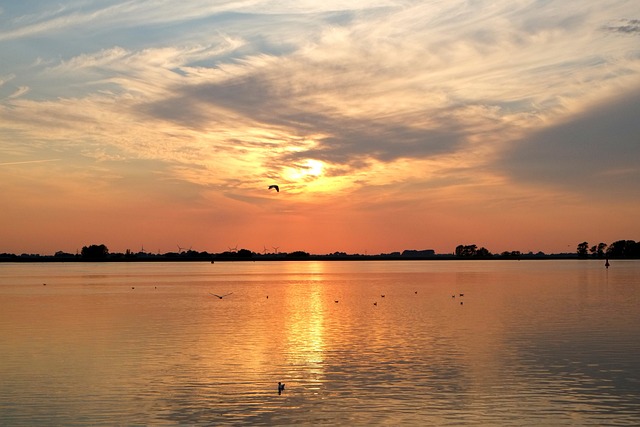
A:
(544, 342)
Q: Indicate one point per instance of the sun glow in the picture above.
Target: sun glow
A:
(309, 170)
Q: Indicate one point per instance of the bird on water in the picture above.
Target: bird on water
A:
(280, 387)
(274, 187)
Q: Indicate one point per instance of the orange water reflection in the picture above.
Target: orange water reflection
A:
(304, 323)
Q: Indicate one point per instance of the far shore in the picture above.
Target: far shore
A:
(279, 258)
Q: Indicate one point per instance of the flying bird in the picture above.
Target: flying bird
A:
(274, 186)
(221, 296)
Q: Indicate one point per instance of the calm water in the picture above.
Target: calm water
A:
(535, 343)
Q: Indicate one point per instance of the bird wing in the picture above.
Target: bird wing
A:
(221, 296)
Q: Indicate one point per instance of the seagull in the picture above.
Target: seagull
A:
(274, 186)
(221, 296)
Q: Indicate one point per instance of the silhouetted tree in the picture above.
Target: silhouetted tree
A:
(95, 252)
(245, 253)
(483, 252)
(511, 254)
(582, 249)
(470, 251)
(598, 250)
(466, 250)
(61, 254)
(298, 254)
(624, 249)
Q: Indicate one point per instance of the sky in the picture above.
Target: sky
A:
(387, 124)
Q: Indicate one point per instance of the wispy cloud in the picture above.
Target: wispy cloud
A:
(626, 26)
(106, 14)
(19, 92)
(5, 79)
(26, 162)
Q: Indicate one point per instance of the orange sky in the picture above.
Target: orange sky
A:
(387, 125)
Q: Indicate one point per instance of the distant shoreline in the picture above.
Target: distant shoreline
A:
(214, 259)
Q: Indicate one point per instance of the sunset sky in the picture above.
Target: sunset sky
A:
(387, 124)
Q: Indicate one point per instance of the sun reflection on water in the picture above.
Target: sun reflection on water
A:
(305, 331)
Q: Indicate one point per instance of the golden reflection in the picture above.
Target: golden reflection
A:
(305, 326)
(305, 332)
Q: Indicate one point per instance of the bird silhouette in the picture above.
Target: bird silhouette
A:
(274, 186)
(280, 387)
(221, 296)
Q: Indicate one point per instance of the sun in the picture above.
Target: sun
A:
(308, 170)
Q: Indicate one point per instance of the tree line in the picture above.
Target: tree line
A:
(618, 249)
(629, 249)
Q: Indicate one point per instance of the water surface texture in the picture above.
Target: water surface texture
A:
(356, 343)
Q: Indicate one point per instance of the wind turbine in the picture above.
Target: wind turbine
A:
(275, 248)
(264, 250)
(180, 249)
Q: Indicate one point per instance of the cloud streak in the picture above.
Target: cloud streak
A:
(26, 162)
(625, 26)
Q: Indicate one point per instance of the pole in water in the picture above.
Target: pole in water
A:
(606, 264)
